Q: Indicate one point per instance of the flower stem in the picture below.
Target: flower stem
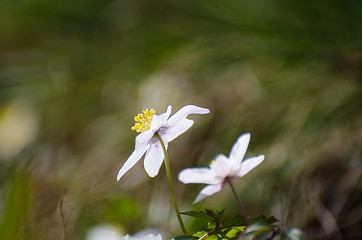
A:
(168, 172)
(242, 209)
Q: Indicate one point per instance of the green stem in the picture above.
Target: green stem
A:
(242, 209)
(168, 172)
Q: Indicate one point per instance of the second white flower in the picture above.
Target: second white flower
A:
(222, 168)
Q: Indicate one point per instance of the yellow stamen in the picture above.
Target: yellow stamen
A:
(212, 163)
(143, 120)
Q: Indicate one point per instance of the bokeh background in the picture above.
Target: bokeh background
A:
(73, 74)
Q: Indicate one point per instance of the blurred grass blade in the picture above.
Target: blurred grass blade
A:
(15, 210)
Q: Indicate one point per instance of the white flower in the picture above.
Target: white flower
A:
(103, 232)
(147, 142)
(222, 168)
(18, 128)
(147, 237)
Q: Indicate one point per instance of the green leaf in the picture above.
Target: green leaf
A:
(214, 216)
(259, 219)
(234, 232)
(209, 212)
(199, 234)
(15, 210)
(211, 225)
(213, 237)
(200, 214)
(263, 219)
(272, 220)
(257, 229)
(185, 237)
(292, 234)
(236, 221)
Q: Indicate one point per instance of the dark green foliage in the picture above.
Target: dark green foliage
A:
(213, 216)
(219, 228)
(185, 237)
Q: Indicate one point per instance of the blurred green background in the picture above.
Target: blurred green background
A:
(73, 74)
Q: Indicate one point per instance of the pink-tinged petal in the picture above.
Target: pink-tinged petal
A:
(249, 164)
(198, 175)
(141, 145)
(238, 150)
(208, 191)
(221, 166)
(183, 113)
(177, 129)
(159, 120)
(154, 157)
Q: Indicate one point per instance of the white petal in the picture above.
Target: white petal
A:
(131, 161)
(238, 150)
(208, 191)
(154, 157)
(221, 167)
(249, 164)
(143, 140)
(177, 129)
(197, 175)
(152, 237)
(142, 143)
(127, 237)
(184, 112)
(159, 120)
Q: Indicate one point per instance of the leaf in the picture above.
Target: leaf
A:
(259, 219)
(209, 212)
(199, 234)
(257, 229)
(211, 225)
(200, 214)
(234, 232)
(16, 208)
(272, 220)
(263, 219)
(213, 237)
(185, 237)
(214, 216)
(292, 234)
(236, 221)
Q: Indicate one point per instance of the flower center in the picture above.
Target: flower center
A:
(143, 120)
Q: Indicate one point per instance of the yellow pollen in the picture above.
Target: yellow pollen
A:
(143, 120)
(212, 163)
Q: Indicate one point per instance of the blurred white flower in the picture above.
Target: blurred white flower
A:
(18, 127)
(222, 168)
(148, 124)
(146, 237)
(104, 232)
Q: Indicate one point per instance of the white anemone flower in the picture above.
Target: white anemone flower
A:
(168, 128)
(147, 237)
(103, 232)
(222, 169)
